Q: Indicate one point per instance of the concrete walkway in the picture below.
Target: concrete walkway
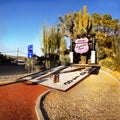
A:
(62, 77)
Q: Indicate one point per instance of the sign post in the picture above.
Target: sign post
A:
(93, 52)
(71, 57)
(71, 52)
(30, 51)
(30, 56)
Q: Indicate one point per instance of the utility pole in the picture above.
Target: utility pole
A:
(17, 54)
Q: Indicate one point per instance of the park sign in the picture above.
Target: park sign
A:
(30, 51)
(81, 45)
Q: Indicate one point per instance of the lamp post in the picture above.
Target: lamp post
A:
(93, 52)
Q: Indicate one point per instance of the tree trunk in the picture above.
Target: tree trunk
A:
(83, 59)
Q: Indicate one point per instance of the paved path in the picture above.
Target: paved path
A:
(62, 79)
(17, 101)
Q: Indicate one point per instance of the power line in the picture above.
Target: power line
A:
(22, 52)
(17, 51)
(8, 51)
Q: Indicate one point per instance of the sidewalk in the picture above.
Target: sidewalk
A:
(17, 101)
(62, 79)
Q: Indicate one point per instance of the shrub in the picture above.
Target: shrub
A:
(101, 53)
(65, 60)
(108, 62)
(117, 62)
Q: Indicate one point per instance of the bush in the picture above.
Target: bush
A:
(65, 60)
(109, 63)
(117, 62)
(109, 52)
(32, 65)
(101, 53)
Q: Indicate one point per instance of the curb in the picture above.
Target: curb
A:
(38, 106)
(107, 73)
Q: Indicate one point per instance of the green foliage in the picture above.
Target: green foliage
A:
(62, 51)
(101, 53)
(53, 45)
(66, 25)
(116, 60)
(65, 60)
(108, 62)
(52, 41)
(116, 52)
(97, 19)
(45, 41)
(107, 31)
(108, 52)
(106, 20)
(32, 65)
(80, 20)
(62, 46)
(103, 27)
(85, 28)
(76, 24)
(115, 45)
(82, 23)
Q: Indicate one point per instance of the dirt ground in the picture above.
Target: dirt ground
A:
(17, 101)
(95, 98)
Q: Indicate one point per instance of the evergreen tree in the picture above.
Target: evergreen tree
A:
(107, 31)
(62, 50)
(45, 48)
(76, 24)
(51, 45)
(83, 28)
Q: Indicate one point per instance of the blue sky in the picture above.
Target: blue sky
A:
(21, 21)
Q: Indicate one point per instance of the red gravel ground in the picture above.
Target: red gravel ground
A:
(17, 101)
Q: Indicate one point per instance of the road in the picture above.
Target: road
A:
(12, 70)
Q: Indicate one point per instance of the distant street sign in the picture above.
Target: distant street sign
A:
(30, 51)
